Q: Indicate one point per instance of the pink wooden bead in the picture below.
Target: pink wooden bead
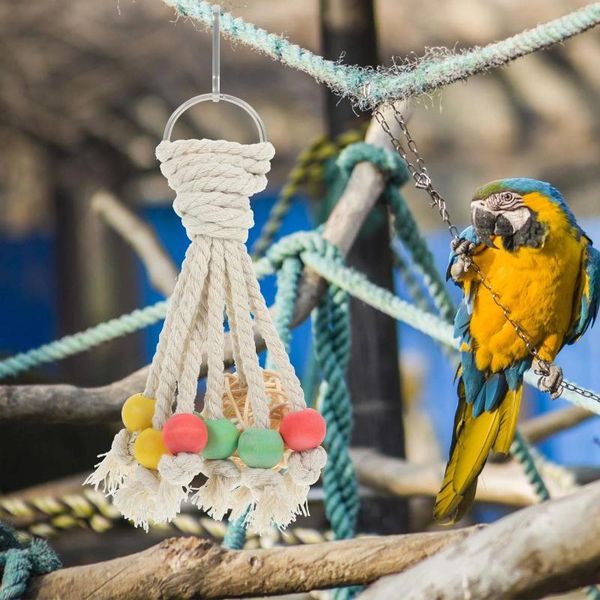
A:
(303, 430)
(185, 433)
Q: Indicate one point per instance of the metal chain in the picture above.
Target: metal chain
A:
(419, 172)
(422, 179)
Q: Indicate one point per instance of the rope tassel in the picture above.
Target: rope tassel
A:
(255, 441)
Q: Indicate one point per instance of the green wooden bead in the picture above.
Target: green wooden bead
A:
(262, 448)
(222, 439)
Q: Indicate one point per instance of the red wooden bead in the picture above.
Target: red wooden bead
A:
(303, 430)
(185, 433)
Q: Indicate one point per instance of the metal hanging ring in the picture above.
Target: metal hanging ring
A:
(262, 132)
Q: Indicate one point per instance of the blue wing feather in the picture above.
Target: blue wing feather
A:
(590, 295)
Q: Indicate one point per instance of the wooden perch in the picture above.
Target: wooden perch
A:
(544, 549)
(502, 483)
(184, 568)
(70, 404)
(539, 428)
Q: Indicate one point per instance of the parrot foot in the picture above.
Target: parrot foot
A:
(462, 263)
(551, 378)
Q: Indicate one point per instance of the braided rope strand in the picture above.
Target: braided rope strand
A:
(367, 87)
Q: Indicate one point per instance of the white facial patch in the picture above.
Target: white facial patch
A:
(517, 218)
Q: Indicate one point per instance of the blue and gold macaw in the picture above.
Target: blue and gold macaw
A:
(544, 270)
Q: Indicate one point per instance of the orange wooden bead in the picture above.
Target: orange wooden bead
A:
(185, 432)
(303, 430)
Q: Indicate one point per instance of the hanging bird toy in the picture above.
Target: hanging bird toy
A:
(255, 441)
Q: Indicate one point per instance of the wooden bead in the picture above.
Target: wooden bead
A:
(148, 448)
(222, 439)
(260, 448)
(185, 432)
(303, 430)
(137, 412)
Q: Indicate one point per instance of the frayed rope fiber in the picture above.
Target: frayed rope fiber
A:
(368, 88)
(22, 561)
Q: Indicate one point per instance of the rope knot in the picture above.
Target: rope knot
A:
(213, 180)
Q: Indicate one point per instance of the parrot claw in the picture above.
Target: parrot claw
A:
(460, 246)
(551, 379)
(462, 263)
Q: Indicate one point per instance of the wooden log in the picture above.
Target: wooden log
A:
(544, 549)
(184, 568)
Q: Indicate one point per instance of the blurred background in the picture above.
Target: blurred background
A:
(85, 90)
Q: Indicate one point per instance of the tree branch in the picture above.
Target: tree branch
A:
(501, 483)
(70, 404)
(544, 549)
(141, 237)
(546, 425)
(191, 567)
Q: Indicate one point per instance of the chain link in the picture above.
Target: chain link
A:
(422, 179)
(419, 171)
(567, 385)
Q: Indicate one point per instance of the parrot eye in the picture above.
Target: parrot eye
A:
(503, 201)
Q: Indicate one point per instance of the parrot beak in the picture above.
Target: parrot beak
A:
(484, 223)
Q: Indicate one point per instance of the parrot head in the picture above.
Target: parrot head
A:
(521, 212)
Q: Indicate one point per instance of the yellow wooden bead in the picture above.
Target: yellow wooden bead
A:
(148, 448)
(137, 412)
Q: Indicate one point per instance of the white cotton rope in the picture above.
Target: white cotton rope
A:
(213, 181)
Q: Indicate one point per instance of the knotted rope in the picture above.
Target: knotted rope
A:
(213, 181)
(20, 562)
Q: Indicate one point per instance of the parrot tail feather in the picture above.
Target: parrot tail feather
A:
(473, 439)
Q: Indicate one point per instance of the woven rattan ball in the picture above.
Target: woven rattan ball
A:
(237, 408)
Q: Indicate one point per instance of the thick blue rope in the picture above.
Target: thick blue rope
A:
(369, 87)
(20, 562)
(331, 332)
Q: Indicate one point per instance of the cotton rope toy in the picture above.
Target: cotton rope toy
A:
(255, 441)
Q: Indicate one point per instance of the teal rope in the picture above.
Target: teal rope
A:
(408, 233)
(20, 562)
(331, 333)
(287, 286)
(369, 87)
(288, 277)
(84, 340)
(521, 451)
(235, 536)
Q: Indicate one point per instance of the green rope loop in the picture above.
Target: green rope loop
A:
(20, 562)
